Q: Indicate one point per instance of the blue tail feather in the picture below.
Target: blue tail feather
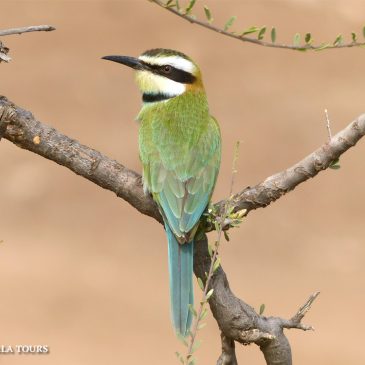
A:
(181, 282)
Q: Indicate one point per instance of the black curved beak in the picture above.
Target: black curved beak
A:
(126, 60)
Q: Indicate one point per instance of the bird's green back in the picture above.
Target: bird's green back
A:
(180, 150)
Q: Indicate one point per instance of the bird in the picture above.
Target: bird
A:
(180, 151)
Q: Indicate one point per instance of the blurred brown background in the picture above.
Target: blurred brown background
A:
(84, 273)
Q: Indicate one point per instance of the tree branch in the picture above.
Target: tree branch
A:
(28, 133)
(243, 38)
(32, 28)
(237, 320)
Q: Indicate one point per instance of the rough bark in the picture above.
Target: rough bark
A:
(237, 320)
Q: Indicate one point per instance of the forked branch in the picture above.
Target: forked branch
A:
(236, 319)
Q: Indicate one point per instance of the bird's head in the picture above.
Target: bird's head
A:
(162, 74)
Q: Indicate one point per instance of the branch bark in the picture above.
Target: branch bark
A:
(5, 32)
(237, 320)
(32, 28)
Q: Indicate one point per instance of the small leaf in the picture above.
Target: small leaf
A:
(335, 164)
(177, 4)
(296, 39)
(204, 314)
(338, 40)
(273, 35)
(261, 33)
(229, 23)
(195, 346)
(200, 283)
(208, 14)
(189, 8)
(193, 361)
(226, 236)
(262, 308)
(323, 46)
(363, 31)
(192, 310)
(354, 37)
(182, 339)
(250, 30)
(210, 250)
(308, 38)
(168, 4)
(216, 264)
(201, 326)
(209, 294)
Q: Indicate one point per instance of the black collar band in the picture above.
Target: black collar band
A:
(151, 98)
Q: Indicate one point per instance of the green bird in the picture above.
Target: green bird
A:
(180, 150)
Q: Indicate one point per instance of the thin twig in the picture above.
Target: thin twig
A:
(32, 28)
(328, 125)
(260, 42)
(295, 321)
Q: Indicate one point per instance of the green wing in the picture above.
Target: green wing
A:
(181, 176)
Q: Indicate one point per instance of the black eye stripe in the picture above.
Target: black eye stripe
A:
(174, 73)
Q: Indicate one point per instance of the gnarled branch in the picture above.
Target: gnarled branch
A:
(237, 320)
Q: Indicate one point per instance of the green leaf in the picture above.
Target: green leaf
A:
(201, 326)
(250, 30)
(308, 38)
(168, 4)
(195, 346)
(204, 314)
(262, 308)
(200, 283)
(273, 35)
(179, 356)
(363, 31)
(216, 264)
(209, 294)
(182, 339)
(210, 250)
(192, 310)
(323, 46)
(335, 164)
(177, 4)
(261, 33)
(189, 8)
(226, 236)
(192, 362)
(338, 40)
(229, 23)
(208, 14)
(354, 37)
(296, 39)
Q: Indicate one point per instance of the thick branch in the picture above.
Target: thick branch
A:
(239, 322)
(236, 319)
(28, 133)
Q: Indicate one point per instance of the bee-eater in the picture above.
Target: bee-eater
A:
(180, 150)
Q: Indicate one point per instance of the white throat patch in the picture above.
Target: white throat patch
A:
(151, 83)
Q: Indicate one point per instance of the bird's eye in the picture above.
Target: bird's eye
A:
(167, 69)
